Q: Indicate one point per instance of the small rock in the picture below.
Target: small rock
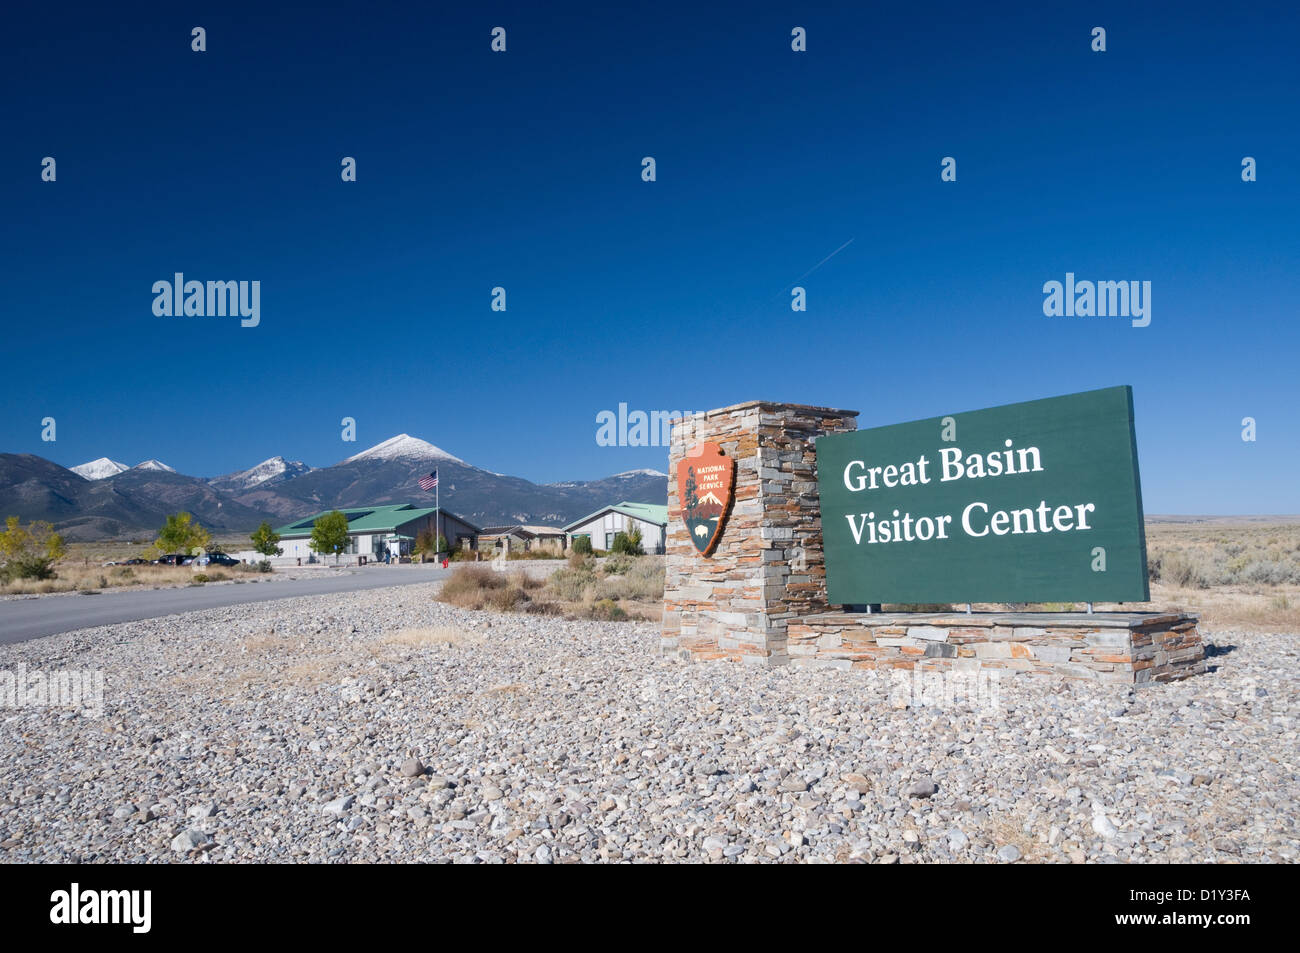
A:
(1103, 825)
(186, 841)
(412, 768)
(1008, 853)
(339, 805)
(922, 788)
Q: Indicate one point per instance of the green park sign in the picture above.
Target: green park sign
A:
(1032, 502)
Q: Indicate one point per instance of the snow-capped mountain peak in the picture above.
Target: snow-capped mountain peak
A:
(99, 469)
(403, 447)
(153, 465)
(276, 468)
(639, 473)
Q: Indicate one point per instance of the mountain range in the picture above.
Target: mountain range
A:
(106, 499)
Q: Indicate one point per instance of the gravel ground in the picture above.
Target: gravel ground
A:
(383, 726)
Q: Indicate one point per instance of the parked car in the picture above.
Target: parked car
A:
(217, 559)
(171, 559)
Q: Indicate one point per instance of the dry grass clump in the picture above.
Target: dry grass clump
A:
(622, 587)
(71, 578)
(643, 579)
(479, 587)
(626, 587)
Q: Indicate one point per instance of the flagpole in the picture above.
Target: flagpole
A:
(437, 507)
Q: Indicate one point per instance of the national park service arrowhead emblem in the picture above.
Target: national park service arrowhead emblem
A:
(705, 479)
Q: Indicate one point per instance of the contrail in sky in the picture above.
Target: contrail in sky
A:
(822, 262)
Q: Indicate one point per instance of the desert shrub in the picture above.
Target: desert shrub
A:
(123, 573)
(503, 599)
(618, 563)
(1236, 566)
(582, 545)
(1269, 572)
(199, 578)
(571, 584)
(1192, 569)
(467, 585)
(606, 610)
(644, 579)
(478, 587)
(522, 580)
(579, 560)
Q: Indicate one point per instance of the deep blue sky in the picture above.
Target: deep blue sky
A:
(523, 170)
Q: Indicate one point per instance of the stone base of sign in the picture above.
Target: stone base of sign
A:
(1127, 648)
(767, 566)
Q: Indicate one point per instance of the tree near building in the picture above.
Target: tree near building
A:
(425, 544)
(627, 543)
(266, 541)
(329, 534)
(182, 535)
(29, 552)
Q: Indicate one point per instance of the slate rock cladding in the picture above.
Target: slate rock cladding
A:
(767, 567)
(1124, 648)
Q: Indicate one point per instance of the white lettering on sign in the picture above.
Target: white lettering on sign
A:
(954, 465)
(976, 520)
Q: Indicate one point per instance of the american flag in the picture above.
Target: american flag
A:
(430, 481)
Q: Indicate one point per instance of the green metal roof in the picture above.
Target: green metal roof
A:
(650, 512)
(366, 519)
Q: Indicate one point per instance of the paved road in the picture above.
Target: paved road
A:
(23, 619)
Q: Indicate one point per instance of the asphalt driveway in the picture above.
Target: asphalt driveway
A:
(33, 618)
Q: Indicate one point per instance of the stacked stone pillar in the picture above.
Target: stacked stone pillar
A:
(767, 567)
